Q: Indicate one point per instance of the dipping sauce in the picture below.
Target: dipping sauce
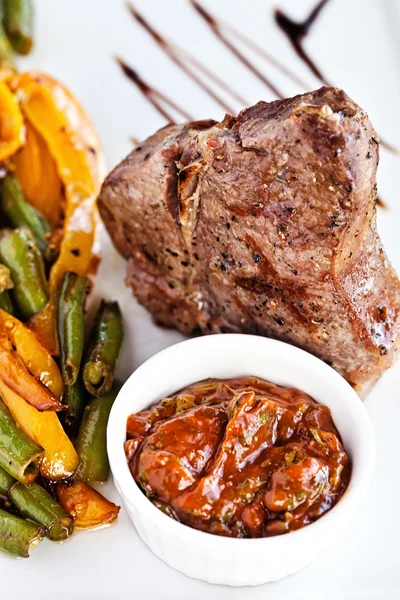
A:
(240, 457)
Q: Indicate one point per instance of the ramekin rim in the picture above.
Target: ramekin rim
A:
(131, 493)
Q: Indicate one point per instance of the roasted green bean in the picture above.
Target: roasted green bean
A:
(19, 455)
(6, 303)
(19, 252)
(91, 442)
(17, 536)
(76, 397)
(18, 20)
(38, 505)
(6, 481)
(6, 61)
(70, 324)
(20, 213)
(104, 348)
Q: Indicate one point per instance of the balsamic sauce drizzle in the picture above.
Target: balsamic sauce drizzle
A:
(296, 32)
(155, 97)
(187, 63)
(192, 67)
(218, 31)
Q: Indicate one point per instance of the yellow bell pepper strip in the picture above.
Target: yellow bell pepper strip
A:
(79, 123)
(12, 130)
(15, 374)
(37, 173)
(43, 326)
(60, 458)
(87, 506)
(57, 117)
(35, 357)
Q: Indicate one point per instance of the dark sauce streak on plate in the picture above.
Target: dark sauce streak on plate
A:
(189, 64)
(218, 31)
(155, 97)
(380, 203)
(296, 32)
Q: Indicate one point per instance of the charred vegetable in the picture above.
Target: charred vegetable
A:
(70, 324)
(75, 397)
(104, 348)
(18, 19)
(20, 213)
(91, 443)
(20, 253)
(88, 508)
(18, 536)
(19, 455)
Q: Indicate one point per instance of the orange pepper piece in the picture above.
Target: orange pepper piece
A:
(60, 458)
(33, 354)
(12, 130)
(15, 375)
(37, 173)
(48, 114)
(87, 506)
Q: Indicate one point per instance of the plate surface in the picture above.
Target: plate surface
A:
(356, 45)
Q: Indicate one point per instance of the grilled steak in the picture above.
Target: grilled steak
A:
(263, 223)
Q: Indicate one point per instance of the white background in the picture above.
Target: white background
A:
(355, 42)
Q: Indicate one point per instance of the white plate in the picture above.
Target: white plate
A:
(356, 43)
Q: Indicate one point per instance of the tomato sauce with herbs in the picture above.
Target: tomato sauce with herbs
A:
(240, 457)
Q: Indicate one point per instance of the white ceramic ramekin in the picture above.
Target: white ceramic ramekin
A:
(219, 559)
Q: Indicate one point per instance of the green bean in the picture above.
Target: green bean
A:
(19, 455)
(20, 213)
(19, 252)
(75, 396)
(91, 442)
(36, 504)
(6, 481)
(6, 61)
(6, 303)
(104, 348)
(70, 324)
(18, 20)
(17, 536)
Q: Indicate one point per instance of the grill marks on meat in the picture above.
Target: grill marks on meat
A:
(264, 223)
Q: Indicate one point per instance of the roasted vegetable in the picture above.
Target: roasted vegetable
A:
(18, 20)
(19, 252)
(70, 324)
(104, 348)
(87, 506)
(91, 443)
(19, 455)
(15, 375)
(61, 122)
(7, 67)
(33, 354)
(75, 397)
(36, 171)
(6, 303)
(5, 279)
(21, 214)
(18, 536)
(60, 459)
(36, 504)
(11, 123)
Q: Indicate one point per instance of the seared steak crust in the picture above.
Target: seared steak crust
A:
(264, 223)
